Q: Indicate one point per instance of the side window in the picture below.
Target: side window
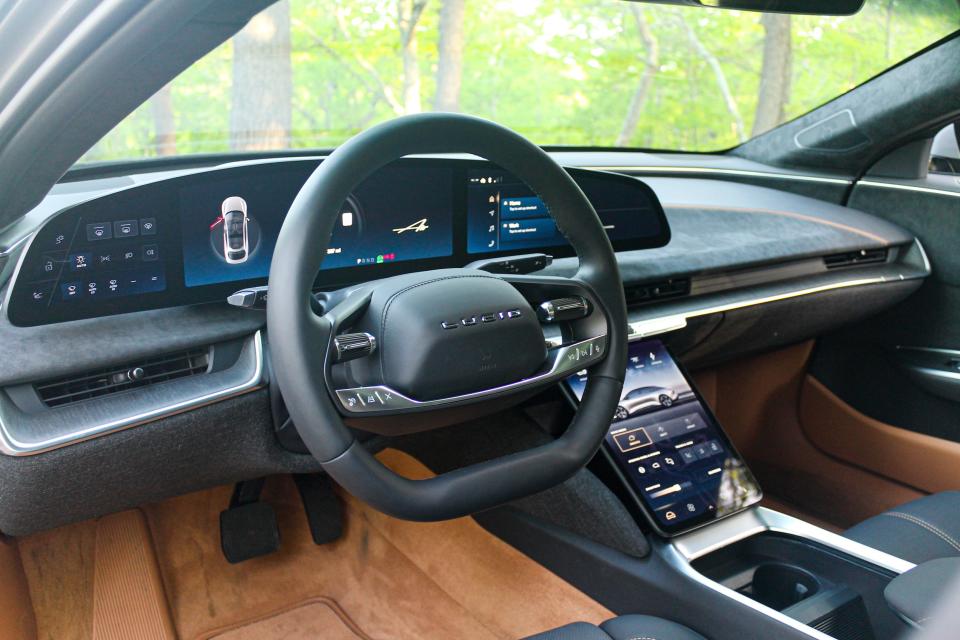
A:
(945, 153)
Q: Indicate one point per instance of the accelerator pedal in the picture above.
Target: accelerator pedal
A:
(320, 501)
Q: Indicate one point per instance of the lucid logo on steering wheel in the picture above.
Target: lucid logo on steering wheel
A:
(486, 318)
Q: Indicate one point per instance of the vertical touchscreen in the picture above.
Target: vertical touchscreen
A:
(669, 448)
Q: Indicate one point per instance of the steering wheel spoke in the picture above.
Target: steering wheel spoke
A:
(562, 361)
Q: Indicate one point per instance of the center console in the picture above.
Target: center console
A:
(815, 581)
(697, 495)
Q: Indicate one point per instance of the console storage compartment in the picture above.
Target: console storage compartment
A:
(814, 584)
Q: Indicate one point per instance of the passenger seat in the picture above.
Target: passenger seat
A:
(629, 627)
(917, 531)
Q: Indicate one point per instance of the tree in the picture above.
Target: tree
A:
(450, 51)
(408, 15)
(651, 63)
(262, 93)
(775, 73)
(728, 100)
(164, 126)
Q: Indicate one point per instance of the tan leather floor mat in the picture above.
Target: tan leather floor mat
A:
(318, 618)
(397, 579)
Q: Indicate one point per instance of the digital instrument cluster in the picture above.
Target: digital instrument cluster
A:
(199, 237)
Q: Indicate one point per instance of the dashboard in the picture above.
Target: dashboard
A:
(757, 258)
(200, 237)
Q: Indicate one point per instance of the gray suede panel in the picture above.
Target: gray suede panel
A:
(582, 504)
(934, 219)
(900, 102)
(46, 352)
(722, 226)
(219, 444)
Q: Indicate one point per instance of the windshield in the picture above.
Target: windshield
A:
(311, 73)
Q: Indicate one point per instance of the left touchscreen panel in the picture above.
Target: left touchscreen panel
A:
(94, 260)
(230, 226)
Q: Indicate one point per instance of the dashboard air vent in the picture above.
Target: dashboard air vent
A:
(855, 258)
(641, 293)
(115, 379)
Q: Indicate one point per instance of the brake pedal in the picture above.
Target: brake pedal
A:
(320, 501)
(248, 528)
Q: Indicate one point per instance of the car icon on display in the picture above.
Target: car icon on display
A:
(644, 398)
(236, 244)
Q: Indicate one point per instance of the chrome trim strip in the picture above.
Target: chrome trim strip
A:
(656, 326)
(562, 361)
(844, 284)
(947, 352)
(923, 255)
(726, 172)
(14, 246)
(9, 445)
(665, 324)
(722, 533)
(909, 187)
(682, 550)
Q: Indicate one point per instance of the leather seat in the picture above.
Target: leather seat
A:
(917, 531)
(633, 627)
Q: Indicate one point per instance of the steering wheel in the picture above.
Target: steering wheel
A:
(441, 339)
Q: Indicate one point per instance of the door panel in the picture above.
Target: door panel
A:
(924, 462)
(885, 394)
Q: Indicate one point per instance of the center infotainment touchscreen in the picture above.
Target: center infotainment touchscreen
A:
(668, 447)
(504, 215)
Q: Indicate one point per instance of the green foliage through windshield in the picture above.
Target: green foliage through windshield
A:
(311, 73)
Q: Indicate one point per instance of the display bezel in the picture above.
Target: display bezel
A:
(161, 199)
(706, 518)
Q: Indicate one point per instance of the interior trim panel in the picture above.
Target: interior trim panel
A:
(669, 170)
(28, 431)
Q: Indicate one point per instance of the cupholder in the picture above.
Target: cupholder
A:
(779, 585)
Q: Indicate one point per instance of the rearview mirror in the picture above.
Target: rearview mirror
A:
(811, 7)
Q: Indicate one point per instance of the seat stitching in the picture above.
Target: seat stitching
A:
(926, 525)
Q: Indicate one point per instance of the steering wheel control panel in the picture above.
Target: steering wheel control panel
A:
(561, 361)
(669, 448)
(201, 237)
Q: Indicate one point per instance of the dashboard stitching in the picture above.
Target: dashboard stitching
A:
(396, 294)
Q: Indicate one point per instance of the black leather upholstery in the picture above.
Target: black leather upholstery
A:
(917, 531)
(633, 627)
(913, 594)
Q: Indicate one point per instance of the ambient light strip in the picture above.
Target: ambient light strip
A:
(909, 187)
(665, 324)
(726, 172)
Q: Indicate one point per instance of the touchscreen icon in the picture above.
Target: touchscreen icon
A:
(633, 439)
